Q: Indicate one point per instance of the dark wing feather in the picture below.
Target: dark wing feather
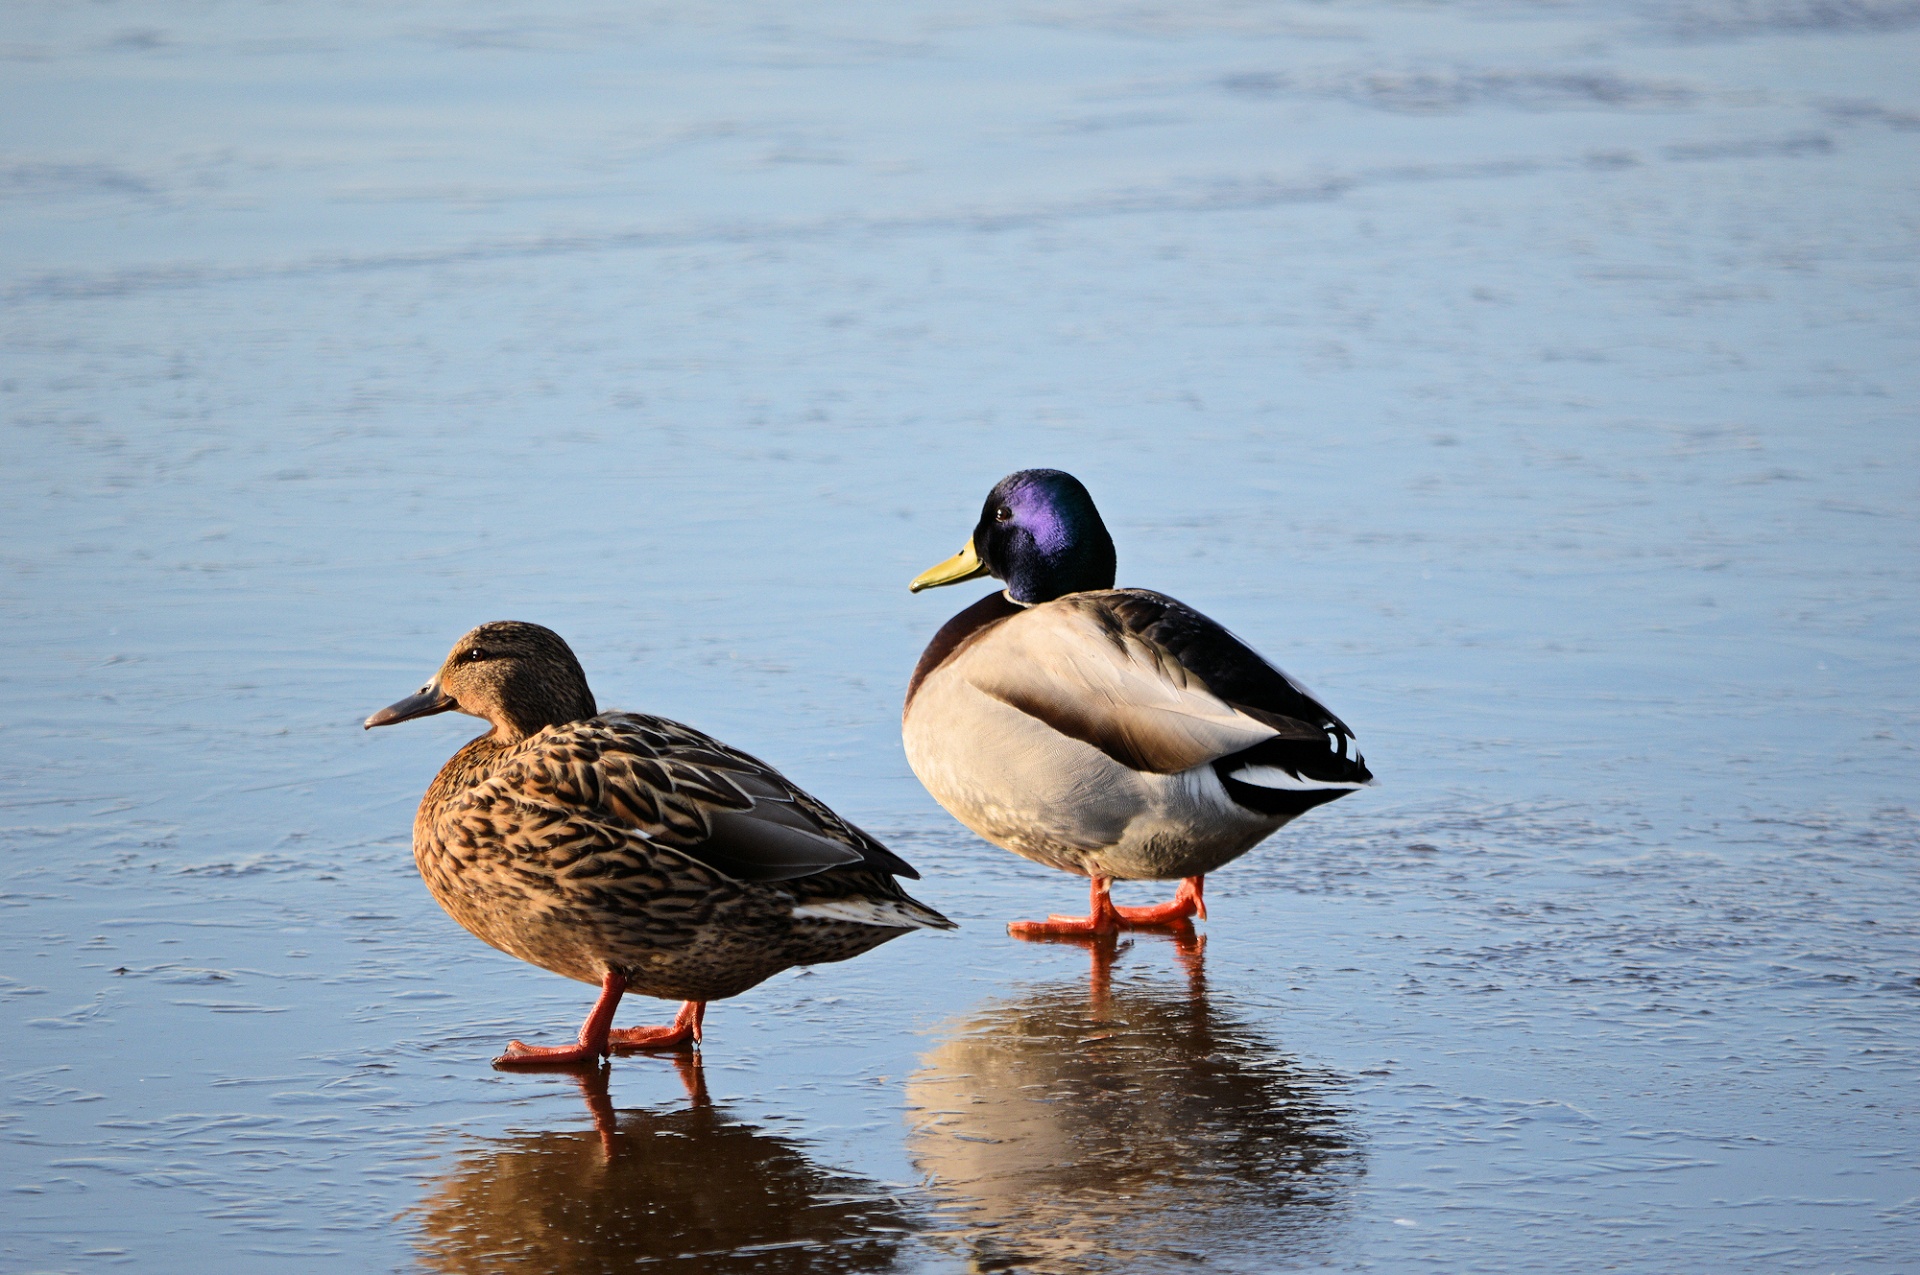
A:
(685, 790)
(748, 848)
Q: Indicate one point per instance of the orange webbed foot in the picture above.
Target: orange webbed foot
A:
(593, 1034)
(683, 1034)
(1063, 927)
(627, 1040)
(520, 1054)
(1188, 902)
(1102, 919)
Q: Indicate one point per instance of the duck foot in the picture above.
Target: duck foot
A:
(1105, 917)
(593, 1034)
(1102, 918)
(1189, 901)
(521, 1054)
(684, 1034)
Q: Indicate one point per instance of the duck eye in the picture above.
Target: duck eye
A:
(1003, 514)
(474, 655)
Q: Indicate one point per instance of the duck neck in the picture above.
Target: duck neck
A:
(1035, 578)
(463, 770)
(534, 699)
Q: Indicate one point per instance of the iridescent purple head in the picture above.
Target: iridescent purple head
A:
(1040, 533)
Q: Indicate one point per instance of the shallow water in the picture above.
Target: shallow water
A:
(1534, 381)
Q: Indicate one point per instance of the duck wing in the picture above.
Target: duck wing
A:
(679, 788)
(1159, 687)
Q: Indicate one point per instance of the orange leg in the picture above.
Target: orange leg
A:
(684, 1034)
(1101, 918)
(593, 1034)
(1190, 901)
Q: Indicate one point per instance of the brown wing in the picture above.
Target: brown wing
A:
(678, 788)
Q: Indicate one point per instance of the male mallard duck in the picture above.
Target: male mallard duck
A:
(1112, 733)
(631, 851)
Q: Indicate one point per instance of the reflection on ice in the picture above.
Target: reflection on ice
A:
(1123, 1125)
(684, 1189)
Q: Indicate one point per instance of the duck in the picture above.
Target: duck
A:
(632, 852)
(1115, 734)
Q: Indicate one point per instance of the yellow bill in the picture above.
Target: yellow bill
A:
(964, 565)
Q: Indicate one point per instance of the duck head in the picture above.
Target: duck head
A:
(520, 677)
(1040, 533)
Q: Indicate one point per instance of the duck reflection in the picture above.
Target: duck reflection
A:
(665, 1190)
(1132, 1124)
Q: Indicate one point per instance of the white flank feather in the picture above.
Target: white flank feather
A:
(887, 912)
(1274, 777)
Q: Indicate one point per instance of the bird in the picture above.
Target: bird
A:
(630, 851)
(1111, 733)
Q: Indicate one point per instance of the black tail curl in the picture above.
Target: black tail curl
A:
(1310, 760)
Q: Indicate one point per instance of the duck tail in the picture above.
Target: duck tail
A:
(901, 913)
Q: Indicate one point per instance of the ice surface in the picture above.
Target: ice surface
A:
(1535, 381)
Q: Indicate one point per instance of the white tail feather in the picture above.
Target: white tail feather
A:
(891, 913)
(1274, 777)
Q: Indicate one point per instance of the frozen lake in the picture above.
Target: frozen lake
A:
(1537, 381)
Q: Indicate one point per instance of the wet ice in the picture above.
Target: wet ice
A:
(1534, 383)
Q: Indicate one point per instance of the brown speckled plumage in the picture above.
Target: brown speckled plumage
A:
(593, 843)
(570, 850)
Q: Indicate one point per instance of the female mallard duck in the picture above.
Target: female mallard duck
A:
(1112, 733)
(631, 851)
